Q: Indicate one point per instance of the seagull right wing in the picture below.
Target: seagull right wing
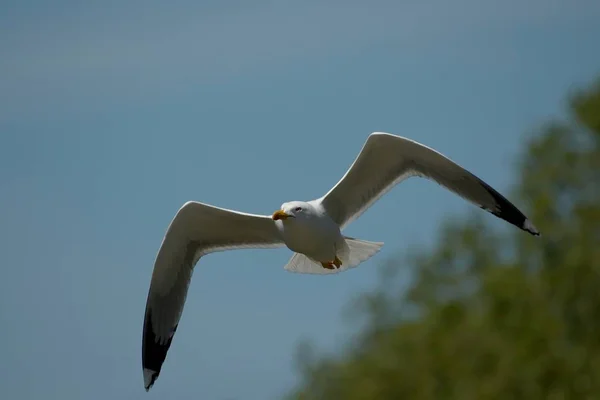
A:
(386, 160)
(196, 230)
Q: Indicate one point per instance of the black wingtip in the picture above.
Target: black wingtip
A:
(507, 211)
(149, 378)
(529, 227)
(154, 352)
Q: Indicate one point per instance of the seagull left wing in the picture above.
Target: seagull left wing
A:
(196, 230)
(386, 160)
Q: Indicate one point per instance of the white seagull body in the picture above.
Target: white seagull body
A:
(312, 230)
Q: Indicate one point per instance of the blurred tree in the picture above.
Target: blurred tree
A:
(492, 315)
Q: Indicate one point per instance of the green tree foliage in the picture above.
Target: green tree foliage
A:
(492, 315)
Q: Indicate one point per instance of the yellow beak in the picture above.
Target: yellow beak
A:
(280, 214)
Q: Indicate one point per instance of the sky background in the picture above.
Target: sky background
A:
(113, 114)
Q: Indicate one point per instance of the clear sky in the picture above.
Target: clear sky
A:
(113, 114)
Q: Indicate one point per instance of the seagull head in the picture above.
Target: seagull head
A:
(294, 209)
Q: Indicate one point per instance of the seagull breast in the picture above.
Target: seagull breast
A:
(315, 236)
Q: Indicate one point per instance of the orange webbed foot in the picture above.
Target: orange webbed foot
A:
(328, 265)
(336, 263)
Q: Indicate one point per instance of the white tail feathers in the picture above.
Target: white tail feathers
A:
(351, 256)
(358, 251)
(301, 264)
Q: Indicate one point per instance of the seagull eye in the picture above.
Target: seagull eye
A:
(297, 209)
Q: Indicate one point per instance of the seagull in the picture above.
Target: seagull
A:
(312, 230)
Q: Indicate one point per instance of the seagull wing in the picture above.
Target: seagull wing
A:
(196, 230)
(386, 160)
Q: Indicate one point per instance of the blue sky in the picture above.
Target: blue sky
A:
(113, 114)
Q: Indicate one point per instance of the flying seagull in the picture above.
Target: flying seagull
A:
(311, 229)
